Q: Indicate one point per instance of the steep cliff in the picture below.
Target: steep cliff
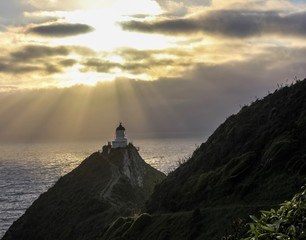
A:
(82, 204)
(255, 160)
(257, 156)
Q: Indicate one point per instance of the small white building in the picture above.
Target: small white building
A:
(120, 140)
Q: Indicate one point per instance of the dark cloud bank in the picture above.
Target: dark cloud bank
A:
(32, 52)
(229, 23)
(61, 30)
(42, 59)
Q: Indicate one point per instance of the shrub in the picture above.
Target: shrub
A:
(286, 223)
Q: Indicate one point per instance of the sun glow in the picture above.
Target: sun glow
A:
(104, 17)
(107, 34)
(106, 39)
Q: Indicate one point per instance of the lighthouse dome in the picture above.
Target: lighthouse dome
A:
(120, 128)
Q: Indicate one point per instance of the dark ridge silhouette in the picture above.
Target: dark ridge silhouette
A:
(255, 157)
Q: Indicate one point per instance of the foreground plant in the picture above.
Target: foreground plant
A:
(286, 223)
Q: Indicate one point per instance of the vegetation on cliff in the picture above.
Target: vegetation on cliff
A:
(254, 160)
(255, 157)
(83, 203)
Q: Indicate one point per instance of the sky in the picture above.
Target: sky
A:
(72, 70)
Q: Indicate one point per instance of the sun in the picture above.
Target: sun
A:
(108, 34)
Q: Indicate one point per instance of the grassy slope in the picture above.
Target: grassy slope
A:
(255, 160)
(254, 157)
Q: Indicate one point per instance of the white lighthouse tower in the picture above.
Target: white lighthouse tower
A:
(120, 140)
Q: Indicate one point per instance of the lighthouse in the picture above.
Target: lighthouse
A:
(120, 140)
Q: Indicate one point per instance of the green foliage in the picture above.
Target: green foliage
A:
(286, 223)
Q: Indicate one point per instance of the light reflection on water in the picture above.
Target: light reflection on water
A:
(27, 170)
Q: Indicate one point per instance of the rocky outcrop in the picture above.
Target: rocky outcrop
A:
(82, 204)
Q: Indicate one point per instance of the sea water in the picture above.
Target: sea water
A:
(27, 170)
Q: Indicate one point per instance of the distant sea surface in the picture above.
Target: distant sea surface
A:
(28, 170)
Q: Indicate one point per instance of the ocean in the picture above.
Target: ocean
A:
(27, 170)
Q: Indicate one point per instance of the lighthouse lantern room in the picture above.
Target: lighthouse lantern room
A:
(120, 140)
